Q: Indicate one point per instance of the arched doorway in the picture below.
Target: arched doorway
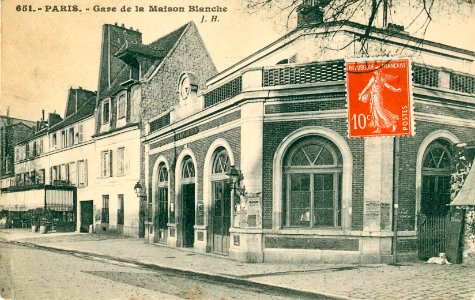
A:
(433, 220)
(312, 182)
(436, 171)
(188, 201)
(221, 206)
(161, 203)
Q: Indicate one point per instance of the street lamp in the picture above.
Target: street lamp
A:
(235, 177)
(145, 215)
(138, 189)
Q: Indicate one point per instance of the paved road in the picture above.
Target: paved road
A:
(29, 273)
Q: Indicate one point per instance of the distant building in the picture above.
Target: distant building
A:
(12, 131)
(308, 192)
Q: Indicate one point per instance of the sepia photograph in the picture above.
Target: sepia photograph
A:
(237, 149)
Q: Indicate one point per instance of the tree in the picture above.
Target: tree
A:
(374, 13)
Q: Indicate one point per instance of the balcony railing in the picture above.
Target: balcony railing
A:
(330, 71)
(301, 74)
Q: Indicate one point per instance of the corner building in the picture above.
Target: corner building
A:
(311, 193)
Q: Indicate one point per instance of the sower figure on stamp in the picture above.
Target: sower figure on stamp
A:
(373, 92)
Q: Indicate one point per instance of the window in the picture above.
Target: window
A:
(82, 173)
(105, 209)
(64, 172)
(122, 106)
(120, 161)
(41, 148)
(106, 166)
(120, 209)
(313, 169)
(34, 149)
(41, 176)
(436, 172)
(27, 150)
(72, 173)
(188, 168)
(54, 142)
(71, 136)
(80, 133)
(64, 139)
(106, 111)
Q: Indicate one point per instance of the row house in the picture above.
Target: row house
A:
(276, 122)
(85, 167)
(51, 165)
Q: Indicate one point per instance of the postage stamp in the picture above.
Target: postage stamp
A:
(379, 96)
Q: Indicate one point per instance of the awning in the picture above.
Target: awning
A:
(466, 196)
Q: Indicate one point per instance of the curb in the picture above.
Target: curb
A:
(206, 276)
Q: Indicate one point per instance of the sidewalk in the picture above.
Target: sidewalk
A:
(408, 281)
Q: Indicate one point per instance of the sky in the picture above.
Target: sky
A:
(43, 54)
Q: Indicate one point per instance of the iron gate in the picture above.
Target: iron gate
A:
(433, 235)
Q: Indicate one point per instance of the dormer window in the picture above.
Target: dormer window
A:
(122, 106)
(134, 70)
(106, 111)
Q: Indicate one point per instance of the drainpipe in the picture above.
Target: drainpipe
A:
(395, 196)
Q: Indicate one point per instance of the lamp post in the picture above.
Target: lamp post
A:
(234, 176)
(145, 214)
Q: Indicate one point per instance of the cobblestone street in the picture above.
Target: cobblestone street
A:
(405, 281)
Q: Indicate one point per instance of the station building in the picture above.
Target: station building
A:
(304, 190)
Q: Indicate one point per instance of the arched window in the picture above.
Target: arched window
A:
(188, 169)
(221, 202)
(436, 171)
(312, 169)
(162, 196)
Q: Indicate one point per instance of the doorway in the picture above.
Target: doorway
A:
(87, 215)
(188, 191)
(221, 217)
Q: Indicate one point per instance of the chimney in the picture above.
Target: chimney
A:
(8, 111)
(42, 115)
(310, 13)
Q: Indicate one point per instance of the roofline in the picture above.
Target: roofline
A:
(79, 120)
(154, 72)
(376, 30)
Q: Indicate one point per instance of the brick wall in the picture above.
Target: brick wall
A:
(199, 148)
(409, 148)
(161, 92)
(275, 132)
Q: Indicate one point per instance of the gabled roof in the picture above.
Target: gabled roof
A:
(154, 52)
(83, 112)
(166, 42)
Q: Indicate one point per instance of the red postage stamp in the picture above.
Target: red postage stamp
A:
(379, 97)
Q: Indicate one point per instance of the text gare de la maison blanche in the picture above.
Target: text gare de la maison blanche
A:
(124, 8)
(164, 8)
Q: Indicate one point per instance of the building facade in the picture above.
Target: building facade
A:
(12, 131)
(51, 165)
(306, 192)
(135, 81)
